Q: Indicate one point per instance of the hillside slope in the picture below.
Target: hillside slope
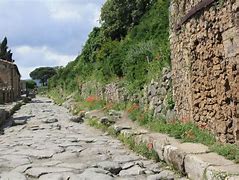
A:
(135, 55)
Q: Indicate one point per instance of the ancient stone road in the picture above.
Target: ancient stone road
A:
(50, 147)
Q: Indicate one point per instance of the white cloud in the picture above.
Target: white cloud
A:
(24, 71)
(64, 10)
(28, 58)
(47, 32)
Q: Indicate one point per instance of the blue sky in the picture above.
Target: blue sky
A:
(47, 32)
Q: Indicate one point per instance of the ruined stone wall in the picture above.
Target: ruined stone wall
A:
(154, 98)
(205, 64)
(9, 82)
(16, 85)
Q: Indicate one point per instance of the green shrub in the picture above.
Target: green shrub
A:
(136, 57)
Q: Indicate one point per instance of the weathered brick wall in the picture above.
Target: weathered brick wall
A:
(205, 65)
(9, 82)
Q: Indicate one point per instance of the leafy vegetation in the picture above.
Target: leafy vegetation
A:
(5, 53)
(132, 45)
(30, 84)
(145, 150)
(230, 151)
(43, 74)
(119, 16)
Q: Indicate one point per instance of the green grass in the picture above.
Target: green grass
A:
(95, 123)
(56, 96)
(86, 106)
(186, 132)
(141, 149)
(16, 108)
(230, 151)
(42, 90)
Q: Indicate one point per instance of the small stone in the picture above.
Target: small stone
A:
(19, 122)
(64, 156)
(56, 176)
(106, 121)
(90, 175)
(56, 127)
(125, 158)
(118, 129)
(128, 165)
(114, 113)
(52, 176)
(155, 168)
(22, 169)
(171, 116)
(77, 119)
(110, 166)
(78, 166)
(36, 172)
(49, 121)
(13, 161)
(133, 171)
(166, 174)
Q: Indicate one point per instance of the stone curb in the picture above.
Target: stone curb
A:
(191, 159)
(6, 111)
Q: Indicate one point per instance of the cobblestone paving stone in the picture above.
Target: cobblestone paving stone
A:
(50, 147)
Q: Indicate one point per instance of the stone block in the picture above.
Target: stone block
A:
(231, 42)
(175, 157)
(2, 116)
(159, 145)
(193, 148)
(233, 178)
(223, 172)
(196, 165)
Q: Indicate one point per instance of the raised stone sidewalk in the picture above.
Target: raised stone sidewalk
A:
(7, 110)
(194, 160)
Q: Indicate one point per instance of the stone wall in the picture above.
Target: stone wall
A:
(155, 97)
(9, 82)
(205, 64)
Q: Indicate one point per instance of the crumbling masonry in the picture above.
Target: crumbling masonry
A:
(9, 82)
(204, 41)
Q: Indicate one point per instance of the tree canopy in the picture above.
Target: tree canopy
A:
(30, 84)
(43, 74)
(5, 53)
(118, 16)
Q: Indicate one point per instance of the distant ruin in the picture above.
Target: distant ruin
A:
(9, 82)
(204, 38)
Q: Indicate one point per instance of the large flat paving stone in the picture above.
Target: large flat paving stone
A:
(36, 172)
(12, 176)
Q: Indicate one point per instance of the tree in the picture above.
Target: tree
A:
(118, 16)
(30, 84)
(43, 74)
(4, 52)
